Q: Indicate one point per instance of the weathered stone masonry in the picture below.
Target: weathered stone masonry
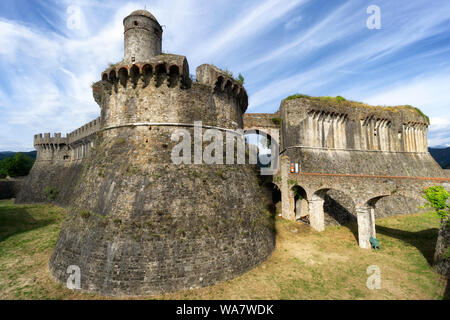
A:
(356, 162)
(9, 188)
(138, 224)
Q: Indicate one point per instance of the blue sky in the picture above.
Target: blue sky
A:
(315, 47)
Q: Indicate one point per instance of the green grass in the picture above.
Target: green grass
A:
(304, 265)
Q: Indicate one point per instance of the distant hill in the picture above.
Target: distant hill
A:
(7, 154)
(442, 156)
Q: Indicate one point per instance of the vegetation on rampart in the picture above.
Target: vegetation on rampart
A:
(340, 100)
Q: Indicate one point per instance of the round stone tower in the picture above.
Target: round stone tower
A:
(140, 223)
(143, 36)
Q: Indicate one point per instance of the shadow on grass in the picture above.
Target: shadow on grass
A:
(447, 291)
(353, 227)
(16, 220)
(424, 241)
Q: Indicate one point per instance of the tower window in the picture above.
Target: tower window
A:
(135, 23)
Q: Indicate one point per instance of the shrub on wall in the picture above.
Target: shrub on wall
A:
(51, 193)
(437, 198)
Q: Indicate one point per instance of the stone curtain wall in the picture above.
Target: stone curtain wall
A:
(340, 198)
(364, 162)
(59, 177)
(10, 188)
(65, 150)
(399, 194)
(446, 173)
(262, 120)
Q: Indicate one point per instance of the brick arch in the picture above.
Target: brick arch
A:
(174, 75)
(262, 130)
(174, 69)
(112, 76)
(161, 68)
(274, 145)
(300, 202)
(372, 202)
(161, 74)
(147, 73)
(228, 85)
(235, 89)
(317, 206)
(135, 73)
(123, 76)
(218, 84)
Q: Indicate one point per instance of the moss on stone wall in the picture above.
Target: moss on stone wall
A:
(341, 100)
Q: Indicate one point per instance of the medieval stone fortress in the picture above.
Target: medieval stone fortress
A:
(138, 224)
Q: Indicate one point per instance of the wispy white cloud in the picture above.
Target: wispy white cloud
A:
(246, 24)
(355, 56)
(431, 95)
(293, 23)
(316, 37)
(439, 134)
(281, 47)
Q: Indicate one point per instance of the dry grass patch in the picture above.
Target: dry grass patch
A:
(304, 265)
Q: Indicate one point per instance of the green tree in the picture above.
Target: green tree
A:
(2, 173)
(17, 166)
(436, 198)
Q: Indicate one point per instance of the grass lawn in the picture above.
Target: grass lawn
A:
(305, 264)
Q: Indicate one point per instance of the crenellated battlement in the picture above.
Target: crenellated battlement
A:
(76, 135)
(48, 139)
(84, 131)
(65, 149)
(165, 69)
(223, 83)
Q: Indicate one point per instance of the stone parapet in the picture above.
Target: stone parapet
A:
(223, 82)
(84, 131)
(316, 122)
